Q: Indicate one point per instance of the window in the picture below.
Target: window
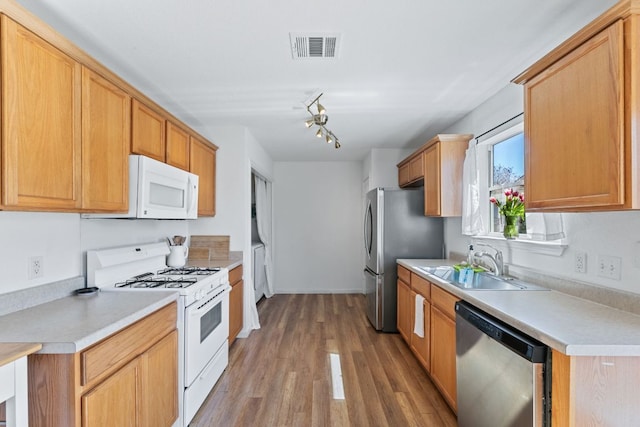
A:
(506, 171)
(500, 167)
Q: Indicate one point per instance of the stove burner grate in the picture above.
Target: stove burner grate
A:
(144, 281)
(190, 271)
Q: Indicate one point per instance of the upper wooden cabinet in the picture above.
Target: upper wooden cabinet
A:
(581, 132)
(411, 171)
(203, 163)
(41, 141)
(147, 131)
(69, 123)
(106, 124)
(443, 159)
(177, 150)
(437, 165)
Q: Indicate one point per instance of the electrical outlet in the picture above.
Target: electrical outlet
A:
(36, 267)
(609, 267)
(581, 262)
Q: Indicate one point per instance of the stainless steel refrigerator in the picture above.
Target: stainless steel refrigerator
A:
(394, 227)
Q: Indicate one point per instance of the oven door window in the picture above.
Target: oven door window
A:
(210, 321)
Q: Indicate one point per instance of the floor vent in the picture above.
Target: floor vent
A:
(314, 46)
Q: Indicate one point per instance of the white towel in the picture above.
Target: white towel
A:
(545, 226)
(418, 326)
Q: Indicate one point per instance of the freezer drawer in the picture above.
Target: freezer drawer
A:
(373, 287)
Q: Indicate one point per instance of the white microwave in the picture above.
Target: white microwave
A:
(158, 191)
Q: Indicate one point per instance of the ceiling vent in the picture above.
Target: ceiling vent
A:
(314, 46)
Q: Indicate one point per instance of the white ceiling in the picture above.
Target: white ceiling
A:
(407, 69)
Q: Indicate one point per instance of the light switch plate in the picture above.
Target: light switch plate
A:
(581, 262)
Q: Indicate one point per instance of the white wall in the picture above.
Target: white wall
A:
(53, 236)
(238, 153)
(379, 167)
(61, 239)
(230, 196)
(609, 233)
(317, 227)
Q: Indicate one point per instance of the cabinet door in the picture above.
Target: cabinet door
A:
(443, 354)
(114, 401)
(106, 131)
(159, 391)
(147, 131)
(432, 180)
(203, 164)
(41, 142)
(574, 128)
(404, 311)
(177, 147)
(420, 345)
(235, 310)
(403, 175)
(416, 168)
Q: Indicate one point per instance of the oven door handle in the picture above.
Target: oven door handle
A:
(200, 307)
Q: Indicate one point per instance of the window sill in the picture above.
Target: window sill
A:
(554, 248)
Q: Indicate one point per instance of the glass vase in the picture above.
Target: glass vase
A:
(510, 230)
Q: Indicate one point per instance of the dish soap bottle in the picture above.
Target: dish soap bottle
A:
(470, 256)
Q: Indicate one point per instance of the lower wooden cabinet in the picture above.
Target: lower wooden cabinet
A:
(436, 351)
(421, 345)
(443, 354)
(404, 310)
(128, 379)
(143, 393)
(113, 402)
(443, 339)
(158, 404)
(236, 302)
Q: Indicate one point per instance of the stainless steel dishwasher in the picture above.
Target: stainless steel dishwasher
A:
(503, 375)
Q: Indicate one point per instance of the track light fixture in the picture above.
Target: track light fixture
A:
(320, 119)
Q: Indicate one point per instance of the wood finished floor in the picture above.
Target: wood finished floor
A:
(280, 375)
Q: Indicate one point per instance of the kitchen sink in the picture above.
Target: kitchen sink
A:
(481, 281)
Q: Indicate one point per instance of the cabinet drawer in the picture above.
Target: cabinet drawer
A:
(404, 274)
(235, 275)
(444, 301)
(421, 286)
(118, 349)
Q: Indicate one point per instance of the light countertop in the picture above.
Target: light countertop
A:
(234, 260)
(71, 324)
(571, 325)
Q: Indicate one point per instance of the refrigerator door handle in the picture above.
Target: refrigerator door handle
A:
(368, 229)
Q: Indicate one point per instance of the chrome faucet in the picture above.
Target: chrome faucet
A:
(497, 260)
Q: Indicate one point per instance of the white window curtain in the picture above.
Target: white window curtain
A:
(263, 219)
(472, 224)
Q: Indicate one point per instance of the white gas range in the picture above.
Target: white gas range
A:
(203, 311)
